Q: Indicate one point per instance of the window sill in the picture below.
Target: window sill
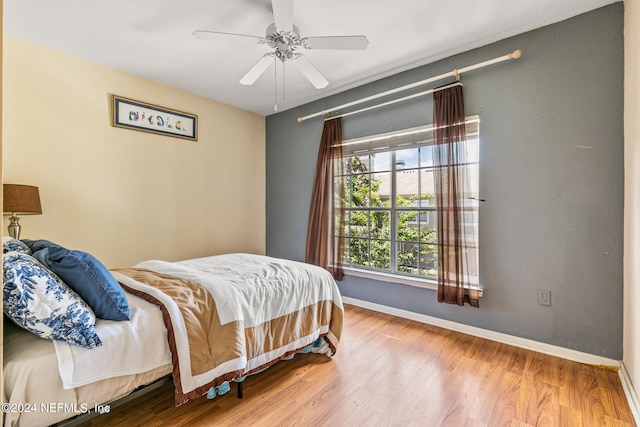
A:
(394, 278)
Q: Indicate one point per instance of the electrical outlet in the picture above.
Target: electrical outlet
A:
(544, 297)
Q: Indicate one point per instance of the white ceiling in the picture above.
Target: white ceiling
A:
(152, 38)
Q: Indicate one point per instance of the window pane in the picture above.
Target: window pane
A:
(407, 187)
(428, 230)
(470, 226)
(427, 188)
(345, 165)
(340, 229)
(407, 225)
(346, 183)
(380, 162)
(359, 181)
(381, 189)
(472, 174)
(359, 252)
(346, 256)
(407, 255)
(470, 261)
(407, 158)
(380, 224)
(347, 223)
(429, 261)
(473, 153)
(338, 198)
(381, 254)
(358, 223)
(357, 164)
(426, 156)
(359, 188)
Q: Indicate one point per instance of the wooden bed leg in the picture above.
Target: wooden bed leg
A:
(240, 389)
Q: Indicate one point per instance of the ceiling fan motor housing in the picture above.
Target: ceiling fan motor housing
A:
(284, 42)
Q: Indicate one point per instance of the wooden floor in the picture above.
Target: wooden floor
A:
(390, 371)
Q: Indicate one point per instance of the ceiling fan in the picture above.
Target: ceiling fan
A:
(284, 38)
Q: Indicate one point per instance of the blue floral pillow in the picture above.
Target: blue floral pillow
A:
(9, 244)
(40, 302)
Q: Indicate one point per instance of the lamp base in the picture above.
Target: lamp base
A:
(14, 227)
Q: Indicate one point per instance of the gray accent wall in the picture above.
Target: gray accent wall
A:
(551, 173)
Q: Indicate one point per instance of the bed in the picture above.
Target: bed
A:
(203, 322)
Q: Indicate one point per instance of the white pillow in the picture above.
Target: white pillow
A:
(9, 244)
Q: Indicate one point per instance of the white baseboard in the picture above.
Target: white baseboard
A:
(552, 350)
(630, 392)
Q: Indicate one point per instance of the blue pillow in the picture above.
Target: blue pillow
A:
(37, 300)
(85, 275)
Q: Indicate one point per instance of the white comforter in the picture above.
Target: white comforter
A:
(141, 343)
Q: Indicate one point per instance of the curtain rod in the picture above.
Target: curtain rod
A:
(393, 101)
(455, 73)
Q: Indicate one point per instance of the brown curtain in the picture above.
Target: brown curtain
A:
(325, 237)
(456, 245)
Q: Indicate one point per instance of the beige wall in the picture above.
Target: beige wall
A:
(122, 195)
(631, 343)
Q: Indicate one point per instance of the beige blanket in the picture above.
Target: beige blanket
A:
(231, 315)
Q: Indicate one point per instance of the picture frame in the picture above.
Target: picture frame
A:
(136, 115)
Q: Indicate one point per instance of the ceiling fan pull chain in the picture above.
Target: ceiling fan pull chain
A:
(275, 84)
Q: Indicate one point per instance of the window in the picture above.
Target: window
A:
(390, 208)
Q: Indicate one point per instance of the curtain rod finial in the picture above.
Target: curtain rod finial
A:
(516, 54)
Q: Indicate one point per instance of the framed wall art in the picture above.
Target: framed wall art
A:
(136, 115)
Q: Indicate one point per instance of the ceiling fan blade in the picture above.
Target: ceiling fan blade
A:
(257, 70)
(337, 42)
(217, 35)
(283, 14)
(310, 71)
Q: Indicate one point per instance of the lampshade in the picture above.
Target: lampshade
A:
(21, 199)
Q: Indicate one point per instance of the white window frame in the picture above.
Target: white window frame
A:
(392, 142)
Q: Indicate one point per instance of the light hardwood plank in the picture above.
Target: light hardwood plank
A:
(390, 371)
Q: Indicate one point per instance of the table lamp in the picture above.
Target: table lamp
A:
(20, 199)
